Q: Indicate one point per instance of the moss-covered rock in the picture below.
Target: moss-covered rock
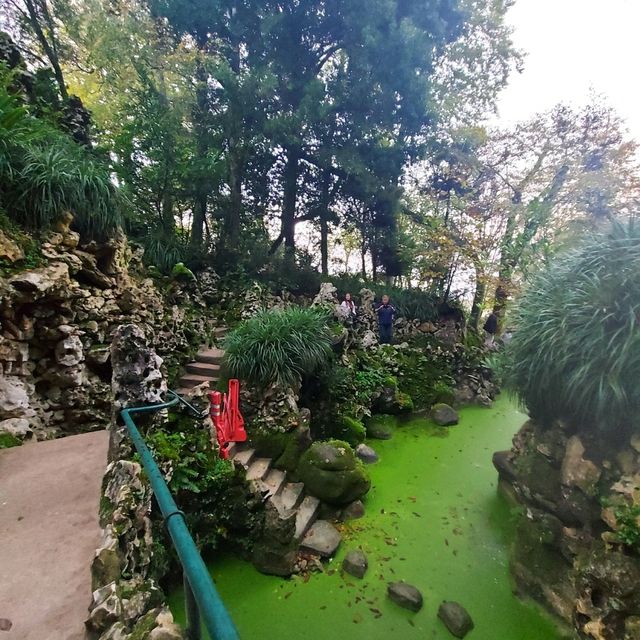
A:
(331, 472)
(296, 442)
(351, 430)
(381, 426)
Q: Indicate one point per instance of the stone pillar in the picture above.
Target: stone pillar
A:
(137, 380)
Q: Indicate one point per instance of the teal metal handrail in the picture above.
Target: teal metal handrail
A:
(201, 596)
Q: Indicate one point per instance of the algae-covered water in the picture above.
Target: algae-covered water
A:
(434, 520)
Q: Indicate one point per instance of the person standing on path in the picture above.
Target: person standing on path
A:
(490, 329)
(386, 312)
(348, 308)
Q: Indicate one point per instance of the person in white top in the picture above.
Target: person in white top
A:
(348, 307)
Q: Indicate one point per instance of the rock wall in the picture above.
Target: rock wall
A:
(56, 324)
(127, 602)
(576, 548)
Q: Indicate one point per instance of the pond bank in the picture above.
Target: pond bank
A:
(433, 519)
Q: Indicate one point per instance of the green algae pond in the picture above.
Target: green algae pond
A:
(434, 520)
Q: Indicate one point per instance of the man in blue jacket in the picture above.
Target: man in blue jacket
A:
(386, 313)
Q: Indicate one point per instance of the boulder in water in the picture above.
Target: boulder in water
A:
(405, 595)
(444, 415)
(456, 618)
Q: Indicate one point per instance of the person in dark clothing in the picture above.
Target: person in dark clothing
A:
(386, 313)
(490, 329)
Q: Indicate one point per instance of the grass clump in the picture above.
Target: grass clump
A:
(576, 352)
(278, 346)
(44, 173)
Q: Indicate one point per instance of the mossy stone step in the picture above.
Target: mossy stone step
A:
(204, 369)
(210, 356)
(290, 497)
(244, 457)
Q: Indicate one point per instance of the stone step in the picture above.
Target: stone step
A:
(244, 457)
(322, 538)
(258, 468)
(210, 356)
(306, 516)
(193, 379)
(204, 369)
(289, 497)
(220, 332)
(272, 482)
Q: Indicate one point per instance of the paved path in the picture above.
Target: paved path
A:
(49, 496)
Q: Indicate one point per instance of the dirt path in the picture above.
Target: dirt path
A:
(49, 495)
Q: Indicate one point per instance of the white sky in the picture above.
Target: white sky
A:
(572, 47)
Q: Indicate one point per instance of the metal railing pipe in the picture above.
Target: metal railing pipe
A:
(210, 606)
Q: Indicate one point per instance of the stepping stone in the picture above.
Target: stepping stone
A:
(355, 563)
(204, 369)
(244, 457)
(210, 356)
(289, 498)
(258, 468)
(366, 454)
(323, 539)
(307, 512)
(405, 595)
(456, 618)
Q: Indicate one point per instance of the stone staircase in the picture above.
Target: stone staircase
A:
(205, 368)
(315, 536)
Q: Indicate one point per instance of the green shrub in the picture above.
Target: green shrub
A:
(44, 173)
(575, 353)
(278, 346)
(213, 494)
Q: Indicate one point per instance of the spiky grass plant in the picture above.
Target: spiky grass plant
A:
(576, 352)
(44, 173)
(278, 346)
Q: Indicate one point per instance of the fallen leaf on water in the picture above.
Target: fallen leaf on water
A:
(5, 624)
(357, 618)
(411, 622)
(286, 595)
(446, 542)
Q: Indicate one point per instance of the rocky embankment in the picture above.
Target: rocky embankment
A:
(57, 322)
(576, 549)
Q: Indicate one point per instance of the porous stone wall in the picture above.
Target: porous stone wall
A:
(576, 547)
(56, 325)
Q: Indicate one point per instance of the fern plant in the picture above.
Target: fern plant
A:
(576, 352)
(278, 346)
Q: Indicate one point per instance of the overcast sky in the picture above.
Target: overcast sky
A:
(574, 46)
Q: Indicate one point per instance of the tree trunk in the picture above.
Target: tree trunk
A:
(324, 223)
(478, 300)
(233, 213)
(200, 128)
(289, 201)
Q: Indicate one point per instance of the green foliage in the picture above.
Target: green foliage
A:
(7, 441)
(576, 350)
(180, 272)
(33, 257)
(278, 346)
(211, 492)
(44, 173)
(628, 520)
